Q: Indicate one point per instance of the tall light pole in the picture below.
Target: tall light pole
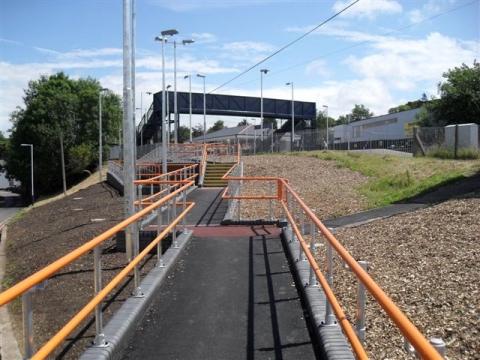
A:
(100, 143)
(163, 39)
(262, 71)
(292, 138)
(31, 168)
(175, 109)
(168, 114)
(326, 116)
(141, 115)
(190, 104)
(204, 108)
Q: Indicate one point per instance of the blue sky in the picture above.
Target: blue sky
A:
(379, 53)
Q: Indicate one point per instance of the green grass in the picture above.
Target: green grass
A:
(448, 153)
(393, 178)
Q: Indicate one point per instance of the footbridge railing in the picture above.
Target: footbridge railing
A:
(282, 201)
(171, 194)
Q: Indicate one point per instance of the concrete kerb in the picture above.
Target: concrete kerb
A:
(9, 348)
(122, 325)
(333, 343)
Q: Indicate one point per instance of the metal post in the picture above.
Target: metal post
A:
(128, 131)
(184, 206)
(301, 253)
(190, 105)
(27, 314)
(439, 345)
(204, 112)
(326, 115)
(62, 158)
(270, 208)
(329, 316)
(159, 230)
(137, 292)
(312, 278)
(168, 117)
(361, 301)
(97, 283)
(175, 112)
(100, 160)
(164, 113)
(293, 120)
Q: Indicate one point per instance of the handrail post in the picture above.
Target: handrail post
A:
(174, 230)
(361, 301)
(301, 253)
(312, 281)
(184, 206)
(159, 230)
(97, 283)
(270, 208)
(137, 292)
(329, 315)
(27, 316)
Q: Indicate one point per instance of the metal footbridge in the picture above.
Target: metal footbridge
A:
(224, 285)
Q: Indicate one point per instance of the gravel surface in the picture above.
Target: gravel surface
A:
(427, 261)
(50, 231)
(327, 189)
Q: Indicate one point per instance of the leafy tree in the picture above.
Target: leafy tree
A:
(360, 112)
(409, 105)
(197, 130)
(184, 134)
(218, 125)
(270, 122)
(244, 122)
(321, 121)
(459, 98)
(57, 106)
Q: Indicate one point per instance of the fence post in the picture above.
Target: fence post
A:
(361, 302)
(329, 316)
(455, 150)
(301, 253)
(97, 283)
(312, 279)
(27, 315)
(159, 230)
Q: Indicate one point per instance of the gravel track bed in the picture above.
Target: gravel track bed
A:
(327, 189)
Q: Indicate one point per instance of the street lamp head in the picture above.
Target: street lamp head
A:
(325, 106)
(158, 38)
(148, 92)
(186, 76)
(201, 76)
(169, 32)
(169, 86)
(264, 71)
(187, 41)
(289, 83)
(26, 145)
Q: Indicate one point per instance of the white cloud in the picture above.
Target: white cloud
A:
(246, 51)
(428, 9)
(317, 67)
(204, 38)
(368, 8)
(403, 64)
(190, 5)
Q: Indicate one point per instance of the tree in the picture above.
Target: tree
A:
(218, 125)
(321, 121)
(57, 106)
(197, 130)
(270, 123)
(459, 98)
(360, 112)
(184, 134)
(244, 122)
(409, 105)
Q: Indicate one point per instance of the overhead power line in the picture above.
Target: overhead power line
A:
(361, 43)
(286, 46)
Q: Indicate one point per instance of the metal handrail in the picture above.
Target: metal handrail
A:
(406, 327)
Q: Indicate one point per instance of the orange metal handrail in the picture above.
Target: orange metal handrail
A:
(43, 274)
(61, 335)
(406, 327)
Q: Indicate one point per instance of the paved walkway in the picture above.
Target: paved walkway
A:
(227, 298)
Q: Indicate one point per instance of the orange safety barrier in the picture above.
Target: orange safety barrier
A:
(406, 327)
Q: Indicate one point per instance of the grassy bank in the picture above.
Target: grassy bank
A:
(393, 178)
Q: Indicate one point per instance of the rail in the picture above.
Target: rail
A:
(297, 212)
(173, 195)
